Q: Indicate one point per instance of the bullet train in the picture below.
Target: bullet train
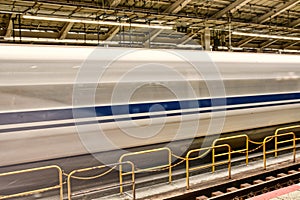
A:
(59, 101)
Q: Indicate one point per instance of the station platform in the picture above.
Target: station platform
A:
(287, 193)
(159, 191)
(243, 176)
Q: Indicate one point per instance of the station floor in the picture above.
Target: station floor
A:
(287, 193)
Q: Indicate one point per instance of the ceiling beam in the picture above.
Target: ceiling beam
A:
(290, 44)
(112, 33)
(153, 35)
(177, 6)
(174, 8)
(230, 8)
(267, 43)
(245, 41)
(74, 11)
(64, 31)
(9, 27)
(295, 23)
(143, 12)
(277, 11)
(114, 3)
(187, 38)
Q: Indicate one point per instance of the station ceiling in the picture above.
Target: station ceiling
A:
(238, 25)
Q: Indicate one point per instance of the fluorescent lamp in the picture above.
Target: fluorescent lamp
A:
(188, 46)
(10, 12)
(53, 40)
(233, 48)
(289, 51)
(33, 30)
(266, 36)
(97, 22)
(29, 39)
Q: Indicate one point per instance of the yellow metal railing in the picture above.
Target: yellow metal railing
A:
(112, 167)
(166, 166)
(213, 164)
(282, 129)
(276, 150)
(31, 192)
(245, 150)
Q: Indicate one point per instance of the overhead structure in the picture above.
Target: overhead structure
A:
(177, 6)
(230, 8)
(277, 11)
(295, 23)
(112, 33)
(9, 28)
(238, 25)
(268, 43)
(152, 36)
(245, 41)
(114, 3)
(65, 30)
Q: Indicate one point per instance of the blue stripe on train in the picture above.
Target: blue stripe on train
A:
(62, 114)
(139, 117)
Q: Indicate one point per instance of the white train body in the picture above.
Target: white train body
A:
(41, 86)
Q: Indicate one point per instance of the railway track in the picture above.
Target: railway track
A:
(247, 186)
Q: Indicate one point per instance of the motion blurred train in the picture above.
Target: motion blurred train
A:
(66, 101)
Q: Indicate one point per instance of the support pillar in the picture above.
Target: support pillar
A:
(206, 39)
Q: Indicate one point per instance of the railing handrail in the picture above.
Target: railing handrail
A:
(30, 192)
(169, 165)
(236, 137)
(281, 129)
(112, 166)
(276, 150)
(213, 164)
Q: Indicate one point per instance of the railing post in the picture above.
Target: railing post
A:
(229, 162)
(276, 147)
(69, 185)
(170, 166)
(187, 172)
(247, 150)
(213, 160)
(264, 154)
(294, 147)
(61, 192)
(121, 178)
(133, 180)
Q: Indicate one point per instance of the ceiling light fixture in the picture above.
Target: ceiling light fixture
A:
(53, 40)
(99, 22)
(266, 36)
(10, 12)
